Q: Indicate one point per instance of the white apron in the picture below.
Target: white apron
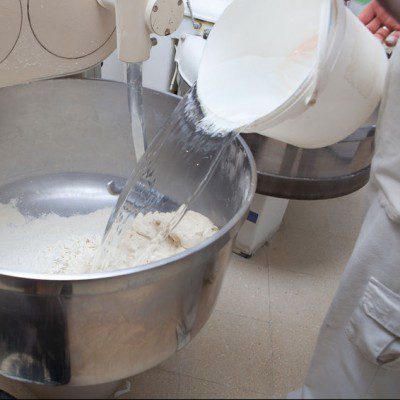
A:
(358, 350)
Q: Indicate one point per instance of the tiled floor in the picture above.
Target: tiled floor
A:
(259, 341)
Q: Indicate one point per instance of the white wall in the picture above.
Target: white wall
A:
(113, 69)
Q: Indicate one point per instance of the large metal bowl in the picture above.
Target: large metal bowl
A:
(61, 142)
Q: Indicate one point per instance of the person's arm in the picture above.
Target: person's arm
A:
(381, 23)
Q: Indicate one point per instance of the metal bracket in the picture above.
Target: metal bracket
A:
(196, 25)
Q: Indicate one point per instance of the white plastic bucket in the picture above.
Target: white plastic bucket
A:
(337, 85)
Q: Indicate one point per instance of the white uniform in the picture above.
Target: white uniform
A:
(358, 351)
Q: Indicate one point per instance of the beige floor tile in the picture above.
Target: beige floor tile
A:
(342, 216)
(299, 304)
(259, 258)
(292, 348)
(172, 364)
(192, 388)
(320, 254)
(154, 384)
(299, 299)
(245, 288)
(231, 350)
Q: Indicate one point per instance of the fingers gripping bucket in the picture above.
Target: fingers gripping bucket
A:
(306, 72)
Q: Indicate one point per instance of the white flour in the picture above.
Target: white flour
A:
(57, 245)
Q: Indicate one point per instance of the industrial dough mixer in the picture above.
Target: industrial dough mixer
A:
(91, 329)
(61, 142)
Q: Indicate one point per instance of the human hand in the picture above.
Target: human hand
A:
(381, 24)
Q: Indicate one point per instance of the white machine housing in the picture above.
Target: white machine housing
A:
(48, 38)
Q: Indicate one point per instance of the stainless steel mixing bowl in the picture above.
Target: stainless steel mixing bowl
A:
(61, 142)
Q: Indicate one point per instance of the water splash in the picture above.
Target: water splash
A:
(171, 174)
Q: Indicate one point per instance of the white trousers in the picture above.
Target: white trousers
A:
(358, 351)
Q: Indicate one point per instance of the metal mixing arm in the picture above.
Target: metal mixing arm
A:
(138, 19)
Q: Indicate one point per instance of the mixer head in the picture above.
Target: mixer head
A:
(47, 38)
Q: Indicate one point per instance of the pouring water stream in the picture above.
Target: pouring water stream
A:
(186, 139)
(184, 155)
